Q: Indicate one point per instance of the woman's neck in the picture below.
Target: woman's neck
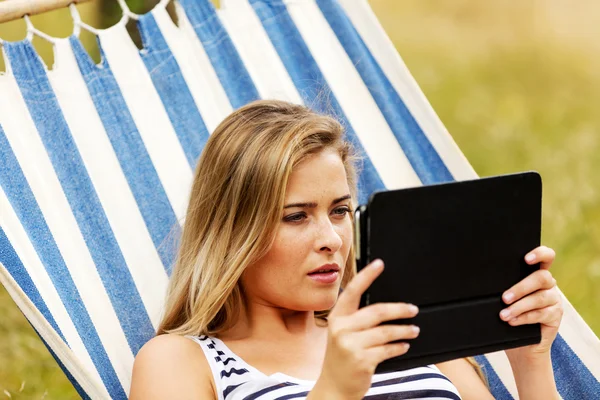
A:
(263, 321)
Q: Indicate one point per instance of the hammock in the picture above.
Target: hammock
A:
(97, 162)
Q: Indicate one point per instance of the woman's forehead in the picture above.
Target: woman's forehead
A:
(319, 177)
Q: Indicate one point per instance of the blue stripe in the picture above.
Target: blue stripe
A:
(416, 394)
(25, 206)
(420, 153)
(269, 389)
(410, 394)
(309, 80)
(233, 371)
(231, 388)
(497, 388)
(11, 261)
(223, 55)
(129, 148)
(408, 378)
(80, 193)
(172, 89)
(573, 380)
(225, 362)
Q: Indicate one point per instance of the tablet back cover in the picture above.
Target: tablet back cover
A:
(453, 249)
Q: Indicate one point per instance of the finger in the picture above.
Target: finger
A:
(537, 300)
(550, 316)
(383, 334)
(383, 352)
(375, 314)
(540, 279)
(348, 301)
(543, 255)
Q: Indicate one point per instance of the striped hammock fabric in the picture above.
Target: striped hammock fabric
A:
(97, 161)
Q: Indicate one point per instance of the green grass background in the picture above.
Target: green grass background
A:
(515, 83)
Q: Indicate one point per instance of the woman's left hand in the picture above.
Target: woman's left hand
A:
(535, 299)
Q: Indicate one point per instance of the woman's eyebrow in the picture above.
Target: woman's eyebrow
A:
(346, 197)
(313, 204)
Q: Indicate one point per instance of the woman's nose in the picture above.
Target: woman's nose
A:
(327, 237)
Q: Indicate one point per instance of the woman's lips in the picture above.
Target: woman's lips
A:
(324, 277)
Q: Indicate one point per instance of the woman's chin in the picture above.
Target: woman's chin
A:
(311, 300)
(323, 303)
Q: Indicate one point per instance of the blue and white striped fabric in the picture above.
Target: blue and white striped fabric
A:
(97, 162)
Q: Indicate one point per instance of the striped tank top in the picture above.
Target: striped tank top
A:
(237, 380)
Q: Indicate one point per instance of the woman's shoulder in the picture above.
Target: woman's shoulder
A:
(171, 346)
(171, 366)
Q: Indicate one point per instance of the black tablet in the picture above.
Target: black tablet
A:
(452, 249)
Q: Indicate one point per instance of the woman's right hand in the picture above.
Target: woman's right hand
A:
(357, 342)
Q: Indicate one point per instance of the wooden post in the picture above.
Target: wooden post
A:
(11, 10)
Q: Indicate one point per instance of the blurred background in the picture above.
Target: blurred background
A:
(515, 83)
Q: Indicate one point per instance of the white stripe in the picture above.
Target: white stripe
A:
(35, 269)
(220, 383)
(251, 388)
(110, 183)
(430, 384)
(383, 50)
(258, 53)
(149, 116)
(39, 172)
(580, 337)
(354, 97)
(407, 372)
(86, 379)
(198, 72)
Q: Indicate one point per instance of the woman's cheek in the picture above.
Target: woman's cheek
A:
(295, 238)
(347, 235)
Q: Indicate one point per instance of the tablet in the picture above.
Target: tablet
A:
(452, 249)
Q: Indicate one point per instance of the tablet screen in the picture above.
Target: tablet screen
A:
(455, 241)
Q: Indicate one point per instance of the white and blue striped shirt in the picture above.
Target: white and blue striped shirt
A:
(237, 380)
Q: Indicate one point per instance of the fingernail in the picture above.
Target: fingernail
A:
(416, 329)
(530, 257)
(505, 314)
(508, 296)
(413, 309)
(377, 264)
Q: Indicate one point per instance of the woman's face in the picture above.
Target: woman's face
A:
(314, 234)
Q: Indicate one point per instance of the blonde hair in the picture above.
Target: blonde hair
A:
(236, 202)
(235, 205)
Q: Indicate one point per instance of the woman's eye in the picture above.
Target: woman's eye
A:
(294, 217)
(341, 210)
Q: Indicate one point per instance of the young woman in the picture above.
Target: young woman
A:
(253, 309)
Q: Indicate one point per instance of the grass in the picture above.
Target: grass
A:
(513, 83)
(27, 371)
